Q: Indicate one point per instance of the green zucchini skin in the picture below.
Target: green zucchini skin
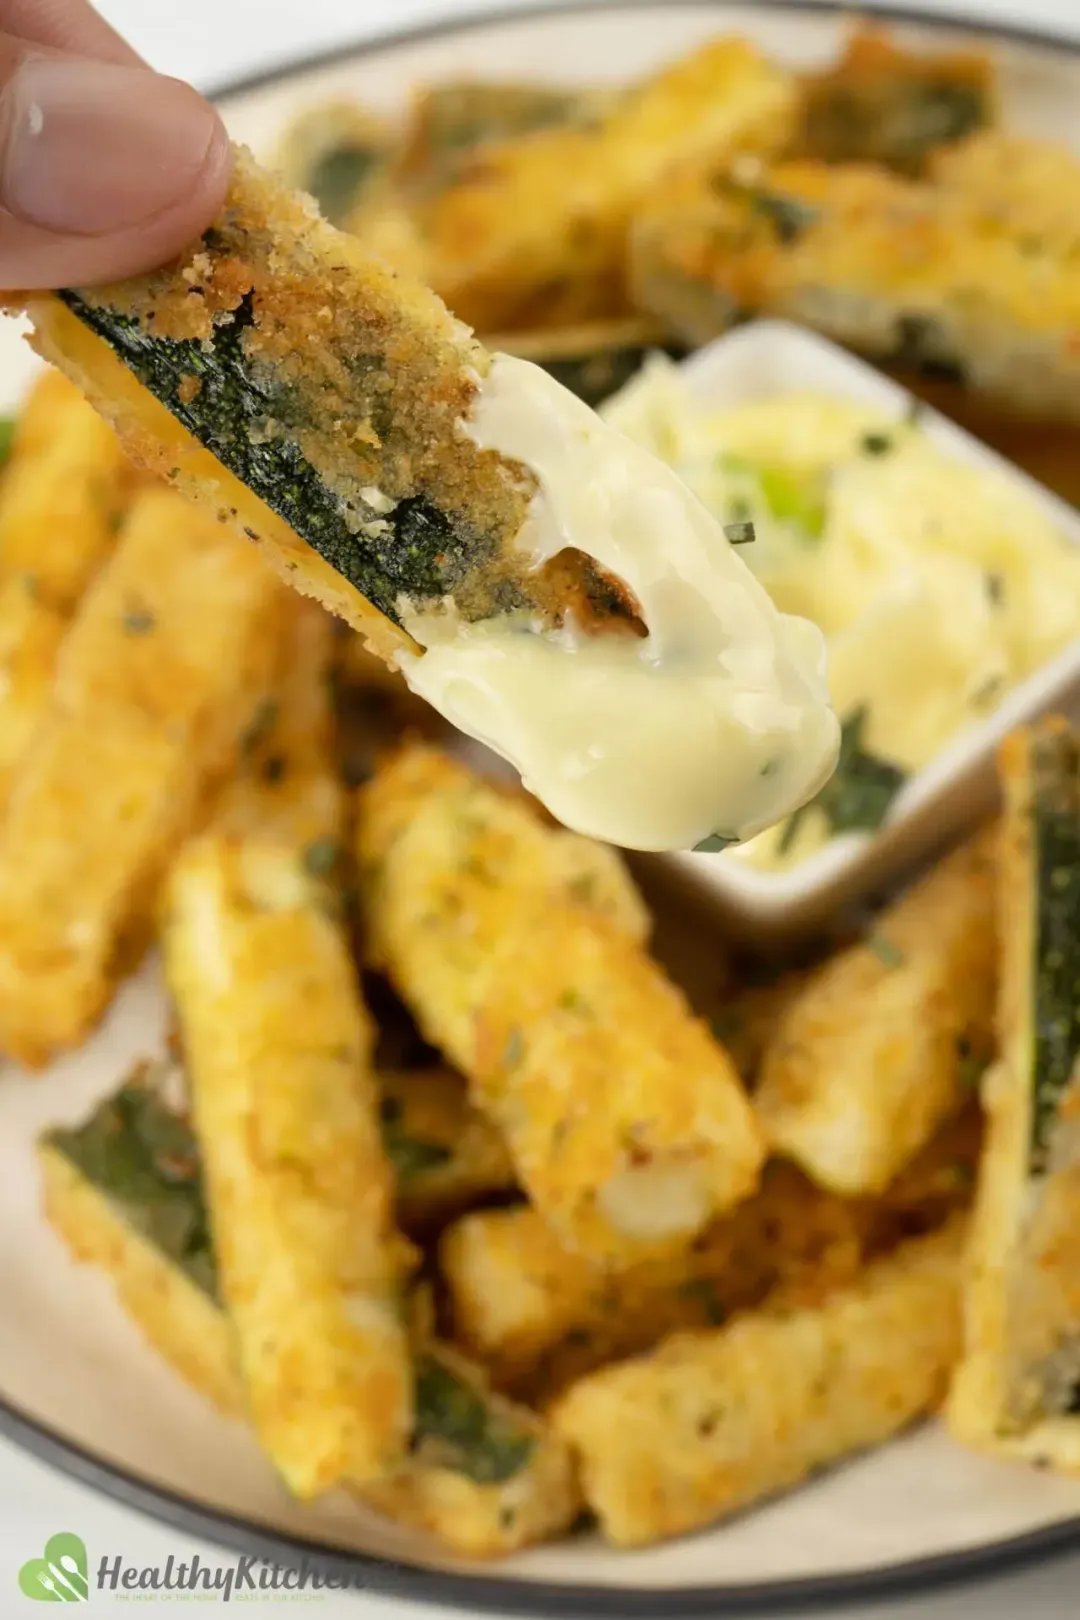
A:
(1054, 819)
(414, 551)
(457, 1428)
(143, 1157)
(901, 128)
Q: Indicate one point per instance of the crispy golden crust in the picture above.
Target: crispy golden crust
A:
(168, 654)
(519, 952)
(881, 1042)
(711, 1422)
(541, 1317)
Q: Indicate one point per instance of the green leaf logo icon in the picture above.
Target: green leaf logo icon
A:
(60, 1575)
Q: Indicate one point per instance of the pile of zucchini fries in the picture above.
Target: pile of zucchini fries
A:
(444, 1177)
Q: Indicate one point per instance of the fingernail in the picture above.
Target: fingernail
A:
(93, 148)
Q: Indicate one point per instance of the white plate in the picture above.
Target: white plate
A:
(762, 360)
(77, 1384)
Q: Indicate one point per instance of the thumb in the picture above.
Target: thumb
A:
(106, 168)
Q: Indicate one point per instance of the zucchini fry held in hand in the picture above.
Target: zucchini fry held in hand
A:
(540, 1317)
(474, 520)
(1016, 1391)
(518, 950)
(928, 275)
(885, 1039)
(167, 656)
(60, 508)
(710, 1422)
(126, 1192)
(278, 1049)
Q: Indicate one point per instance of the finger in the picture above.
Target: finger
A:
(68, 25)
(105, 169)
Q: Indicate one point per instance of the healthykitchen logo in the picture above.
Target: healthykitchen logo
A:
(62, 1575)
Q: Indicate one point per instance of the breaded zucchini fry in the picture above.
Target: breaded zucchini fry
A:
(625, 1120)
(278, 1047)
(882, 104)
(124, 1191)
(445, 1155)
(540, 1317)
(533, 232)
(60, 507)
(1016, 1392)
(167, 657)
(882, 1042)
(711, 1422)
(63, 494)
(909, 273)
(298, 388)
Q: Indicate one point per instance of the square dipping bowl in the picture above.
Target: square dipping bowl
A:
(938, 803)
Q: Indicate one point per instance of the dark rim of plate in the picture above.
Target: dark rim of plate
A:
(507, 1594)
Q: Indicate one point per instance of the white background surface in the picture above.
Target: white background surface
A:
(211, 42)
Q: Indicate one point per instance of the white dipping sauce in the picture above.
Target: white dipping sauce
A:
(715, 723)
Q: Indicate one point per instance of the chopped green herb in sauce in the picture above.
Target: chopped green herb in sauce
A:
(876, 444)
(858, 794)
(795, 499)
(714, 844)
(740, 534)
(139, 622)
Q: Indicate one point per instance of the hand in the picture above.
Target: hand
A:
(106, 168)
